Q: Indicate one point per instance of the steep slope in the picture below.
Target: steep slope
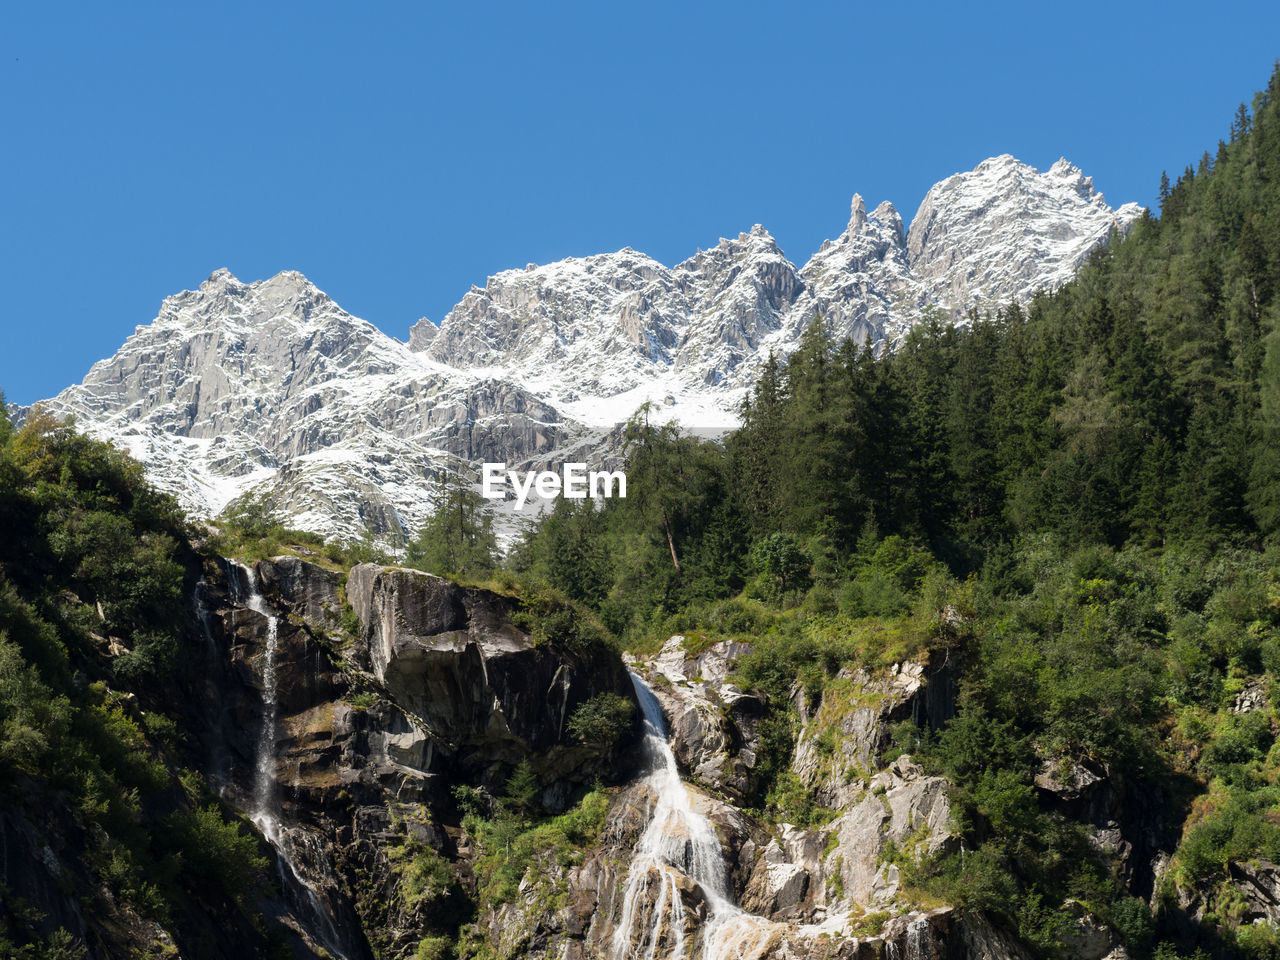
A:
(270, 390)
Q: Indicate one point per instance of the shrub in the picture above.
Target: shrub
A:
(153, 656)
(781, 559)
(434, 948)
(425, 876)
(603, 720)
(215, 849)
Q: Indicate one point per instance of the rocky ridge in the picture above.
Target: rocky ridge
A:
(271, 391)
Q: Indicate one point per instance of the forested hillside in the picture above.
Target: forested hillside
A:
(1080, 501)
(1137, 406)
(96, 770)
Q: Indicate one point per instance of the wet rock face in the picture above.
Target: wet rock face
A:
(714, 726)
(309, 590)
(438, 688)
(441, 685)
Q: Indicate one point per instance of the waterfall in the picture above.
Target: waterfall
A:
(916, 937)
(265, 813)
(204, 614)
(678, 845)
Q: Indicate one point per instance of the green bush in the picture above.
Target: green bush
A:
(153, 656)
(219, 850)
(603, 720)
(509, 847)
(425, 876)
(780, 558)
(791, 801)
(434, 948)
(1131, 918)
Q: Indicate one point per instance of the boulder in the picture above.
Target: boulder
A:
(305, 588)
(777, 883)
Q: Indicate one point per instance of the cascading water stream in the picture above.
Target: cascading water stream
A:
(917, 945)
(678, 845)
(265, 812)
(200, 603)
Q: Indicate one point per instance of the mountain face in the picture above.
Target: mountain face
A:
(271, 387)
(1003, 231)
(271, 390)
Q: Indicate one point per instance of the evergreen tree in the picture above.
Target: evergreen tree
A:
(458, 538)
(1240, 125)
(1264, 476)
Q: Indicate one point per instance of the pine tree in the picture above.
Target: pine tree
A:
(1264, 475)
(756, 446)
(1240, 125)
(813, 457)
(458, 539)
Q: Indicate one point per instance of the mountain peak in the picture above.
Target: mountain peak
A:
(888, 215)
(219, 278)
(269, 387)
(1002, 161)
(287, 284)
(421, 334)
(857, 213)
(1004, 229)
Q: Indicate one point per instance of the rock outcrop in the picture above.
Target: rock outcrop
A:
(846, 732)
(483, 689)
(439, 687)
(832, 889)
(714, 726)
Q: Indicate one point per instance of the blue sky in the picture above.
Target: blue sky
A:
(398, 153)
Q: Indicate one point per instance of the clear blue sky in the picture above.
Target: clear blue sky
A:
(397, 153)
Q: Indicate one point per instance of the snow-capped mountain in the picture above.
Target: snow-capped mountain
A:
(1003, 230)
(270, 389)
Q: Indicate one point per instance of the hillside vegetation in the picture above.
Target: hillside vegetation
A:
(1079, 499)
